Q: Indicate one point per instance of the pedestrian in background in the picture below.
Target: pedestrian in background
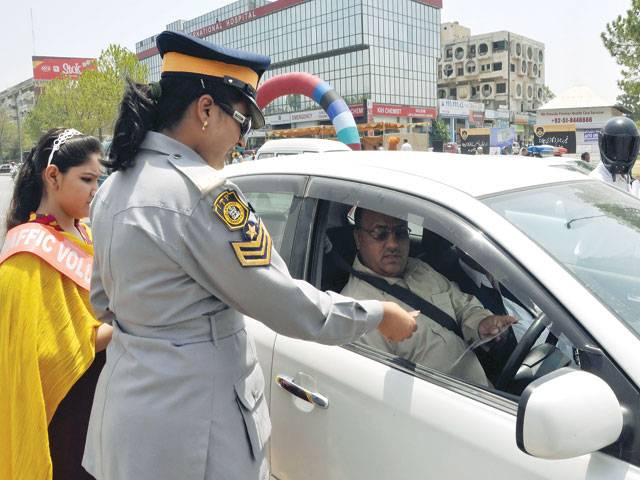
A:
(48, 333)
(406, 146)
(180, 257)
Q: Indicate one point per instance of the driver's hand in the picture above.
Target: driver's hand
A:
(495, 325)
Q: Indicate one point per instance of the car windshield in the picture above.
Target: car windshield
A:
(592, 229)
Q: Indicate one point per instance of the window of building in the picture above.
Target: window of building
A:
(471, 67)
(471, 53)
(448, 53)
(460, 71)
(497, 66)
(501, 88)
(485, 67)
(483, 49)
(459, 53)
(500, 46)
(453, 92)
(513, 67)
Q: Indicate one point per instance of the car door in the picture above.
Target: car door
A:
(360, 413)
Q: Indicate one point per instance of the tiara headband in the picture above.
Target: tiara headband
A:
(62, 138)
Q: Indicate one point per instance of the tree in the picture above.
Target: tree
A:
(622, 39)
(440, 131)
(90, 103)
(547, 94)
(9, 144)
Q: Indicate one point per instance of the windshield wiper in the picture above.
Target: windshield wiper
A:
(568, 224)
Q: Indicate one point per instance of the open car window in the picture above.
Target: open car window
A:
(442, 239)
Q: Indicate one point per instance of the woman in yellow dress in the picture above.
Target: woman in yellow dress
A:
(48, 333)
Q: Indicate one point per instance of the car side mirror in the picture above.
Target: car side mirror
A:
(566, 414)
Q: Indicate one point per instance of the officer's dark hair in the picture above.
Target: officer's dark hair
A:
(157, 106)
(29, 187)
(584, 156)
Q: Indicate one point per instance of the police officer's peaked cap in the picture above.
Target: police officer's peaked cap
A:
(184, 55)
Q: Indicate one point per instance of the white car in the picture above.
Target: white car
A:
(565, 246)
(297, 146)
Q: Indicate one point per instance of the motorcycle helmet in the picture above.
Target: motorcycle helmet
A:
(619, 143)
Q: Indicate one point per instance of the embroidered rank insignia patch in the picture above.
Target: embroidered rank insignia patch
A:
(232, 211)
(255, 249)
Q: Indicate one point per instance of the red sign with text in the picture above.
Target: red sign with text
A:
(48, 68)
(382, 110)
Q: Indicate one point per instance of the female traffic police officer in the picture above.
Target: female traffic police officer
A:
(179, 257)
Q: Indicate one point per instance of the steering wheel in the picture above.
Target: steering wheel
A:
(520, 352)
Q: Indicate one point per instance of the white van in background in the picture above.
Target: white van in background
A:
(296, 146)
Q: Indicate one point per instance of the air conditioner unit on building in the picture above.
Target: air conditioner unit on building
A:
(488, 90)
(463, 92)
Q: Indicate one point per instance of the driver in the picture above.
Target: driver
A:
(619, 143)
(383, 251)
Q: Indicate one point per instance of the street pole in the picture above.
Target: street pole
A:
(19, 130)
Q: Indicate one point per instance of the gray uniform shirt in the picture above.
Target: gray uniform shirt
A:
(179, 257)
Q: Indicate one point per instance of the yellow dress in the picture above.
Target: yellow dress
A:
(47, 341)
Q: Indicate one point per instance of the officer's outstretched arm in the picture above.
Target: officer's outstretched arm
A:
(229, 251)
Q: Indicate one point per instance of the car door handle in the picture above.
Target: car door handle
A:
(290, 386)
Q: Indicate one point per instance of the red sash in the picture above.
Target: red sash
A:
(52, 247)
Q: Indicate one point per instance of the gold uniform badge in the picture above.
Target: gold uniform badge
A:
(255, 249)
(231, 209)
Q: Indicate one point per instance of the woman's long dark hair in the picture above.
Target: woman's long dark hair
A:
(29, 187)
(156, 107)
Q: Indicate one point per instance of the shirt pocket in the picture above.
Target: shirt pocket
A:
(250, 398)
(443, 302)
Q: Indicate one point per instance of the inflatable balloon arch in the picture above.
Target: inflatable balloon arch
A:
(322, 93)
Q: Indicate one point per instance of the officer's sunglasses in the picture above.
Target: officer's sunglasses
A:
(243, 120)
(381, 234)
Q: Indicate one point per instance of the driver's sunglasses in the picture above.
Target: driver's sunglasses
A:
(381, 234)
(243, 120)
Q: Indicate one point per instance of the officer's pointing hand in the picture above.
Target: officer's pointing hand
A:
(397, 324)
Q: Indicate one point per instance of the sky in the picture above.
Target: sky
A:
(570, 30)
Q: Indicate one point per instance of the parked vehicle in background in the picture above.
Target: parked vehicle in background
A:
(297, 146)
(451, 147)
(5, 168)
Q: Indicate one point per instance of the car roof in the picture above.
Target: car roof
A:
(302, 144)
(476, 175)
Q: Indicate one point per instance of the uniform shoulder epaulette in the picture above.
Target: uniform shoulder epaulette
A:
(203, 176)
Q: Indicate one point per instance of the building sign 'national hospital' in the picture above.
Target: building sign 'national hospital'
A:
(251, 15)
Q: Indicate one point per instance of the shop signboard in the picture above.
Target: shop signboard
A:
(384, 110)
(583, 118)
(591, 135)
(458, 108)
(49, 68)
(556, 135)
(471, 138)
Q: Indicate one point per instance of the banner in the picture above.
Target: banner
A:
(556, 135)
(48, 68)
(472, 138)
